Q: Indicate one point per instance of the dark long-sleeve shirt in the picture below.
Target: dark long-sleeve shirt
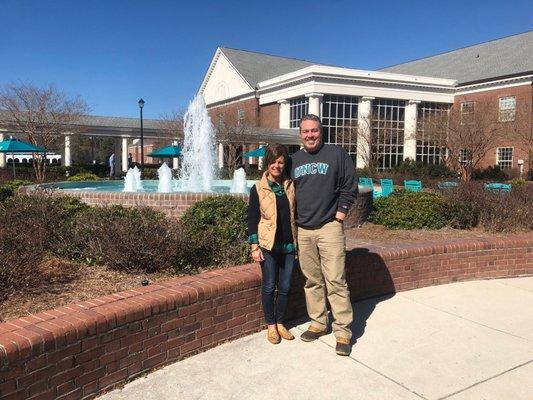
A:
(283, 240)
(325, 183)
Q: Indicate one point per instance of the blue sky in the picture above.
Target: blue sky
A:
(113, 52)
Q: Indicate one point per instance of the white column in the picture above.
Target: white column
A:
(175, 160)
(124, 154)
(68, 159)
(409, 136)
(260, 159)
(2, 155)
(284, 114)
(315, 103)
(364, 126)
(220, 155)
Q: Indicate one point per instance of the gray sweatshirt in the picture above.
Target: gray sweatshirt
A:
(325, 183)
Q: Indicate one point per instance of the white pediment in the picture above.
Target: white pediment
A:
(223, 81)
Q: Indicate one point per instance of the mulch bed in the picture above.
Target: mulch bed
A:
(94, 281)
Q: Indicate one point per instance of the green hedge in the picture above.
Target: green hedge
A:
(224, 218)
(410, 210)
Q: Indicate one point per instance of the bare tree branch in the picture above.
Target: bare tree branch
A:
(42, 115)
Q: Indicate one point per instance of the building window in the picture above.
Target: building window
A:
(467, 111)
(339, 119)
(387, 132)
(431, 137)
(240, 116)
(465, 157)
(504, 157)
(507, 108)
(299, 107)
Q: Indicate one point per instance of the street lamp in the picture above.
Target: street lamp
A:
(141, 105)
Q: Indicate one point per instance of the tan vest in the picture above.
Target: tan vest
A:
(266, 230)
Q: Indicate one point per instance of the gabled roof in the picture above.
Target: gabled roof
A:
(506, 57)
(258, 67)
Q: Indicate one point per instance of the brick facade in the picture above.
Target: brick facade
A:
(81, 350)
(269, 115)
(524, 100)
(230, 112)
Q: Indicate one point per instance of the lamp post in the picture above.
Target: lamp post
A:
(141, 105)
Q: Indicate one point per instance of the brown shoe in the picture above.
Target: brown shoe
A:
(273, 335)
(343, 347)
(311, 334)
(284, 332)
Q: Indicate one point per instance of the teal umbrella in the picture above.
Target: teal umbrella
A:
(259, 152)
(18, 146)
(167, 151)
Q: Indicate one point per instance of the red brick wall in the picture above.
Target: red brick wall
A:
(172, 205)
(250, 107)
(269, 115)
(524, 97)
(81, 350)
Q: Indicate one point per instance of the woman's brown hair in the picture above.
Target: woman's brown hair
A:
(274, 151)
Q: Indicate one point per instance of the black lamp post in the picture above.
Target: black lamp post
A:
(141, 105)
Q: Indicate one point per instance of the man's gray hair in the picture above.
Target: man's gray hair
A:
(311, 117)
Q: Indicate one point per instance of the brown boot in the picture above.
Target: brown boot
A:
(273, 335)
(284, 332)
(343, 347)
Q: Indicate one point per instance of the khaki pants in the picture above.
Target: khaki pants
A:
(322, 255)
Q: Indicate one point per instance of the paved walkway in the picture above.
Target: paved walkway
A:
(469, 340)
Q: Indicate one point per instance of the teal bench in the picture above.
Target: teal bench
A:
(414, 186)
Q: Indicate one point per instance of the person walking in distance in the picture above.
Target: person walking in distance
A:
(325, 188)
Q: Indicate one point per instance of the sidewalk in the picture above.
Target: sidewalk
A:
(469, 340)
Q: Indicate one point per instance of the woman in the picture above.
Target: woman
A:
(272, 237)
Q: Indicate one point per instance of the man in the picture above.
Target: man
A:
(324, 178)
(112, 165)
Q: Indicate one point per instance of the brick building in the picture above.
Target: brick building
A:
(271, 93)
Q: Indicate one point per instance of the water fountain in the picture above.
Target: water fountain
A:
(132, 180)
(198, 148)
(164, 174)
(238, 184)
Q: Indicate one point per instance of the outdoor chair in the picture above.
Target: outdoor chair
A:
(387, 187)
(368, 182)
(414, 186)
(498, 187)
(447, 185)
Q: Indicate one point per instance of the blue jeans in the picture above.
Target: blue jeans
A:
(277, 269)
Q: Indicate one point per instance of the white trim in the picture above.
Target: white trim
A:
(223, 103)
(351, 89)
(347, 73)
(217, 55)
(495, 85)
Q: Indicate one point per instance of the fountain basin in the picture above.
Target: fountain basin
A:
(172, 204)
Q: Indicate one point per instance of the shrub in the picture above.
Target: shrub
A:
(125, 239)
(508, 212)
(83, 177)
(491, 173)
(33, 229)
(410, 210)
(517, 182)
(419, 170)
(9, 189)
(471, 205)
(192, 250)
(225, 218)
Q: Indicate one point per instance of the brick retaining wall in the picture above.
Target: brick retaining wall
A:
(174, 204)
(81, 350)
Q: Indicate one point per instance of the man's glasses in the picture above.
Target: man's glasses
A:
(313, 130)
